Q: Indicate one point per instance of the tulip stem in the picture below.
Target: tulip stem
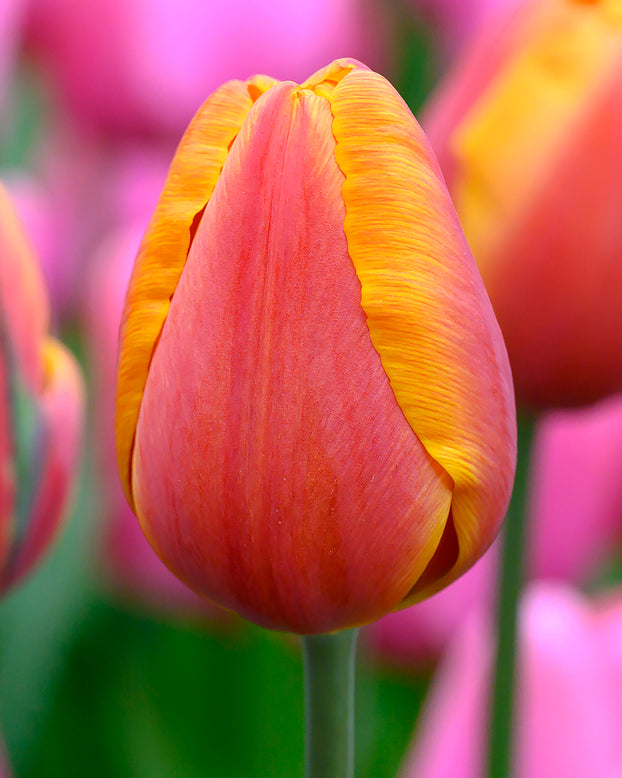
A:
(329, 704)
(503, 692)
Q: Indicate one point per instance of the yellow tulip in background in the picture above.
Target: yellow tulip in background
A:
(527, 131)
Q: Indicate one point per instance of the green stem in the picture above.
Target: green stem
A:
(502, 705)
(329, 704)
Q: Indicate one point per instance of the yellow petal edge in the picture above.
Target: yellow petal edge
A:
(162, 255)
(428, 314)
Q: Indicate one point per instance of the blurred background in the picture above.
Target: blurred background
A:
(108, 665)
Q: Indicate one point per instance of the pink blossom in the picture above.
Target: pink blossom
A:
(75, 194)
(146, 65)
(576, 500)
(569, 714)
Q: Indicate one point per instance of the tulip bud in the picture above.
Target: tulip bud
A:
(315, 415)
(40, 412)
(528, 132)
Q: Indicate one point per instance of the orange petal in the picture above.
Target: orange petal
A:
(428, 314)
(274, 470)
(162, 255)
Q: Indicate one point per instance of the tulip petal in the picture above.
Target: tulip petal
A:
(269, 403)
(162, 255)
(428, 313)
(323, 81)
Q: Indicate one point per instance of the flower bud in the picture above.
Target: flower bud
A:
(315, 415)
(41, 409)
(528, 132)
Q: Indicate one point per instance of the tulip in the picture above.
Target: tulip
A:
(142, 66)
(50, 201)
(315, 419)
(575, 526)
(50, 204)
(41, 410)
(576, 499)
(528, 132)
(569, 711)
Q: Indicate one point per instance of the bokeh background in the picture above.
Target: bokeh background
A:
(108, 666)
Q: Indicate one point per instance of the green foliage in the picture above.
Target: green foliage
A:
(88, 686)
(119, 694)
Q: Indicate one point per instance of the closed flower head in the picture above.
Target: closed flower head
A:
(315, 416)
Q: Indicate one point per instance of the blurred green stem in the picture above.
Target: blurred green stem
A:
(329, 704)
(512, 570)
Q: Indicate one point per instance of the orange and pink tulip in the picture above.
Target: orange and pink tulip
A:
(41, 408)
(315, 414)
(528, 132)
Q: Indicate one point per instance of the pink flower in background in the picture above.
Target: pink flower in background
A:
(46, 222)
(93, 249)
(76, 193)
(41, 409)
(146, 65)
(575, 525)
(569, 697)
(576, 501)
